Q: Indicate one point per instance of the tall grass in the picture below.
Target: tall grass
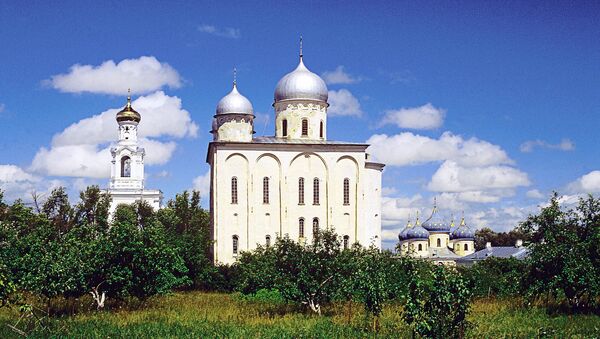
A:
(197, 314)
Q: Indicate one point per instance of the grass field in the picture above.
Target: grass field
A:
(197, 314)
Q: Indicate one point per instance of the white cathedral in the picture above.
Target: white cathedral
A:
(292, 183)
(127, 166)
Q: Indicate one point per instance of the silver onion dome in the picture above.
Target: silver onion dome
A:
(301, 83)
(234, 102)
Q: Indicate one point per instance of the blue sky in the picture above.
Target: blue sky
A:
(515, 82)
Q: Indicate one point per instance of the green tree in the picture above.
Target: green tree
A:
(93, 207)
(58, 210)
(437, 303)
(564, 252)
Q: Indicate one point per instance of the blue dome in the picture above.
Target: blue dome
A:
(417, 232)
(462, 232)
(402, 234)
(435, 223)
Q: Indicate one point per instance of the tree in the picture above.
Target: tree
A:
(500, 277)
(58, 210)
(437, 303)
(93, 208)
(564, 252)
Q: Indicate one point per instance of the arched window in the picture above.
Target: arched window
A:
(439, 242)
(268, 240)
(284, 127)
(304, 127)
(466, 247)
(315, 191)
(315, 226)
(301, 228)
(346, 191)
(300, 191)
(321, 129)
(125, 167)
(265, 190)
(234, 193)
(346, 242)
(420, 247)
(235, 240)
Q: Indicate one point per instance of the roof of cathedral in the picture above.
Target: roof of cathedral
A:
(435, 223)
(301, 83)
(128, 113)
(234, 103)
(441, 253)
(497, 252)
(276, 140)
(462, 231)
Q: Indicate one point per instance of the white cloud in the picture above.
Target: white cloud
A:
(73, 161)
(227, 32)
(202, 184)
(422, 117)
(339, 76)
(142, 75)
(410, 149)
(12, 173)
(564, 145)
(162, 115)
(588, 183)
(451, 177)
(343, 103)
(534, 194)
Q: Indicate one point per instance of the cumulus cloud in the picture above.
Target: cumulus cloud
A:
(588, 183)
(564, 145)
(142, 75)
(422, 117)
(411, 149)
(12, 174)
(451, 177)
(343, 103)
(339, 76)
(534, 194)
(202, 184)
(83, 148)
(227, 32)
(17, 183)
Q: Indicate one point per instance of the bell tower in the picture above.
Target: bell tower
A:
(127, 166)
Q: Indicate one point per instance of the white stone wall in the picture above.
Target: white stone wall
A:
(233, 127)
(252, 220)
(458, 246)
(294, 111)
(153, 197)
(444, 240)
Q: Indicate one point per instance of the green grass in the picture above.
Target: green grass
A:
(196, 314)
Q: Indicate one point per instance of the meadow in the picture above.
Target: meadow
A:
(199, 314)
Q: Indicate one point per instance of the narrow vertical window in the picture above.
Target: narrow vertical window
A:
(235, 240)
(301, 228)
(315, 191)
(346, 191)
(268, 240)
(420, 247)
(466, 247)
(125, 167)
(439, 242)
(234, 190)
(315, 227)
(321, 129)
(300, 191)
(346, 242)
(284, 127)
(304, 127)
(265, 190)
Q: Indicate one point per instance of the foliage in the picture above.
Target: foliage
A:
(437, 304)
(500, 277)
(7, 287)
(564, 261)
(485, 235)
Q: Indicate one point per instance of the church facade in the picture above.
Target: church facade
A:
(292, 183)
(127, 166)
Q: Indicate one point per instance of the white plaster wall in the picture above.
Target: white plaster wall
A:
(235, 130)
(444, 237)
(458, 247)
(294, 112)
(152, 197)
(252, 220)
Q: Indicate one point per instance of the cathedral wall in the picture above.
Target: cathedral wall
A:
(294, 112)
(252, 220)
(443, 237)
(458, 246)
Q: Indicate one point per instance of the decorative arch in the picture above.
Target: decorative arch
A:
(125, 167)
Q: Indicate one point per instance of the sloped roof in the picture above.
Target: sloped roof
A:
(498, 252)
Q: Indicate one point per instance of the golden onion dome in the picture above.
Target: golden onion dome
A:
(128, 113)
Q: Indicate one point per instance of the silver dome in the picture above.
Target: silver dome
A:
(301, 84)
(234, 102)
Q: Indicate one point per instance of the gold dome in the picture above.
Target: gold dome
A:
(128, 113)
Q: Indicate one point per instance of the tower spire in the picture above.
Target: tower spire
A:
(129, 98)
(301, 46)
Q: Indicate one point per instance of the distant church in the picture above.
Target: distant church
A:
(437, 240)
(290, 184)
(127, 166)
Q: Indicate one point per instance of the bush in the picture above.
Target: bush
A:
(499, 277)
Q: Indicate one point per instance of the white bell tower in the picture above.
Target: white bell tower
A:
(127, 165)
